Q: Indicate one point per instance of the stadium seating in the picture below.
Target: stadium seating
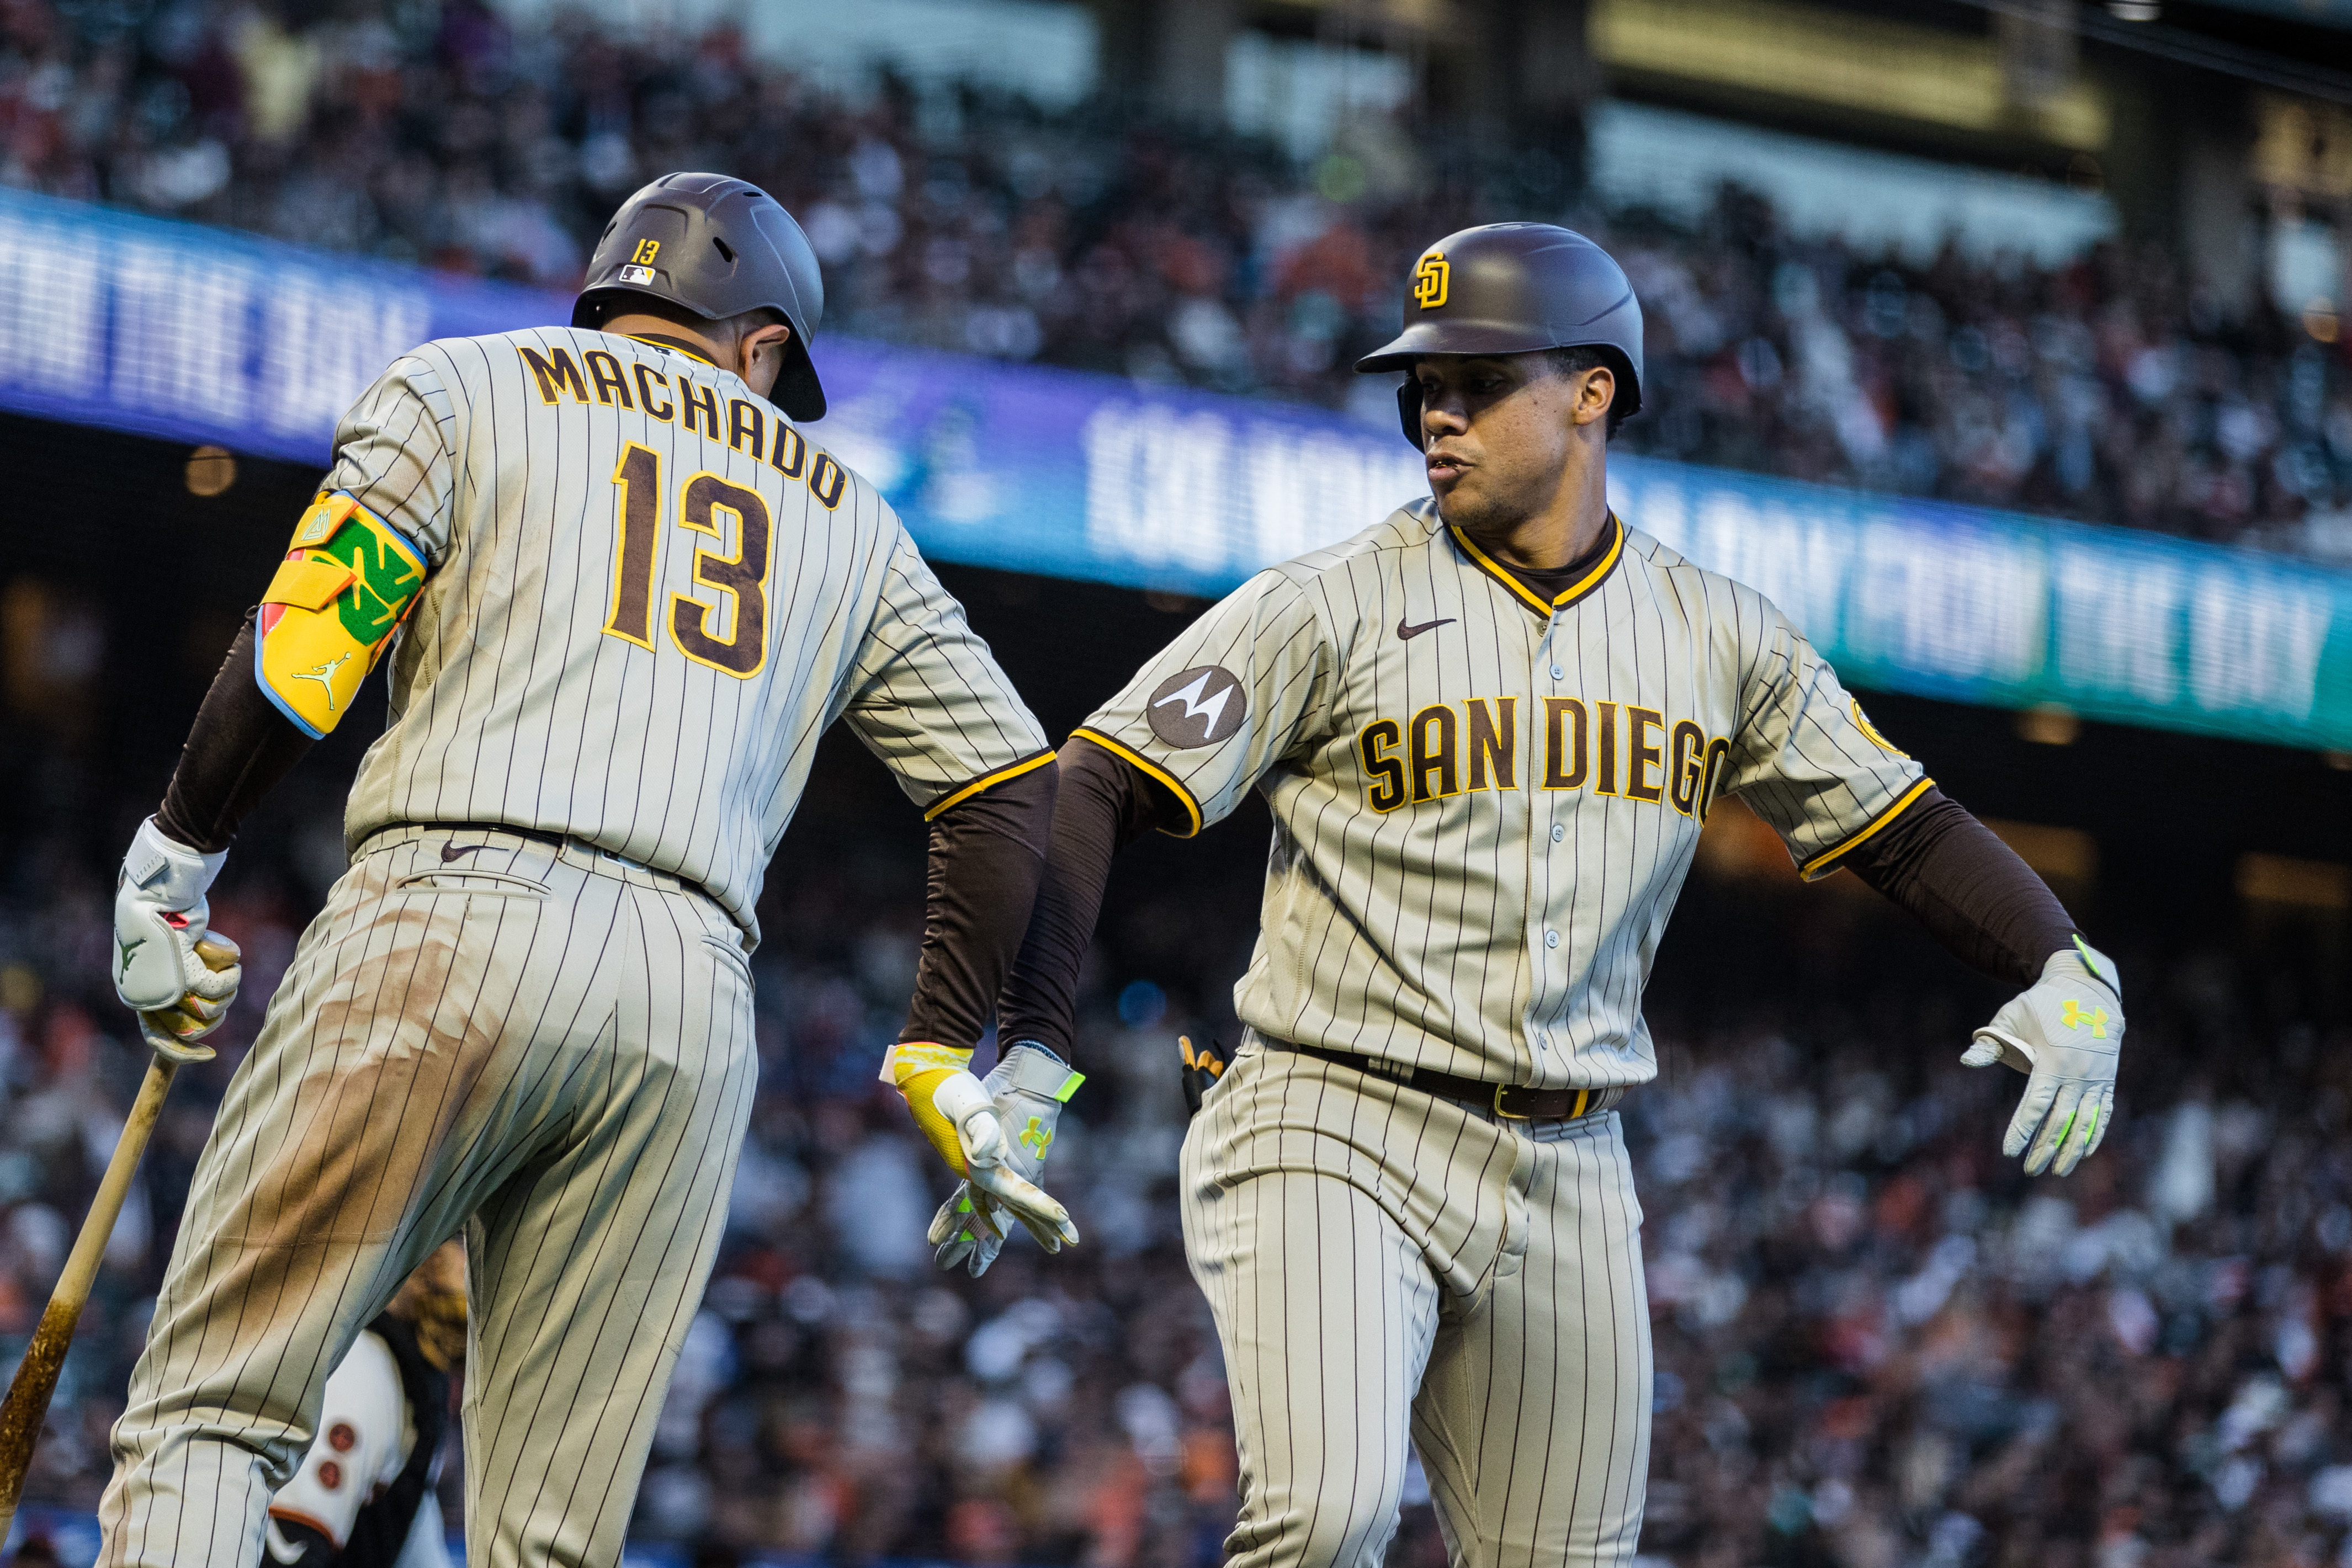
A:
(2107, 388)
(1877, 1342)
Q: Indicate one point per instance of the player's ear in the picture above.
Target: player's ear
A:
(760, 353)
(1598, 390)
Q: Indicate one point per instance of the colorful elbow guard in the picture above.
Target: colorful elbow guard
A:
(340, 593)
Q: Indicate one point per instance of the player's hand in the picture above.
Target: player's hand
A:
(2066, 1031)
(954, 1112)
(169, 966)
(1027, 1091)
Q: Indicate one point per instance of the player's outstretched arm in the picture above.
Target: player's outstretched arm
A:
(929, 699)
(1104, 803)
(2065, 1029)
(986, 855)
(1844, 798)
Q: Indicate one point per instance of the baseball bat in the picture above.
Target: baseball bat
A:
(28, 1405)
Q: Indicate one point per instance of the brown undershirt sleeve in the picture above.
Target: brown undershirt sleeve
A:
(1967, 887)
(1106, 803)
(238, 748)
(986, 855)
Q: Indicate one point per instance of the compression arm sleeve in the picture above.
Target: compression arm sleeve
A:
(1106, 803)
(1967, 887)
(240, 746)
(986, 854)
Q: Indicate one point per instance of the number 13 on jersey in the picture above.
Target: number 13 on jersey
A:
(742, 578)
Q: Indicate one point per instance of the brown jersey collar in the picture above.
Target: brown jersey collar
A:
(1605, 556)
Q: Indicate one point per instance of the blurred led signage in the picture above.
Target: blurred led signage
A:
(193, 334)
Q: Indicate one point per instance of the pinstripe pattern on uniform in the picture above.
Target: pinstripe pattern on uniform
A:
(510, 703)
(552, 1044)
(1378, 1262)
(1490, 926)
(636, 625)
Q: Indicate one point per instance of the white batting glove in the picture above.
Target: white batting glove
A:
(955, 1113)
(169, 967)
(1028, 1091)
(2066, 1032)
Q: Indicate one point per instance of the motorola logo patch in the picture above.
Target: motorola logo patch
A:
(1198, 708)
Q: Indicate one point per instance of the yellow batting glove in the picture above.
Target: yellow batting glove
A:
(920, 1071)
(955, 1113)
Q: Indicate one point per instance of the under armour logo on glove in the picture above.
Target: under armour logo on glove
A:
(2074, 1015)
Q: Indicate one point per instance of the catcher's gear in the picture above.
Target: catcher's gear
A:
(954, 1112)
(1027, 1090)
(169, 968)
(2066, 1031)
(719, 246)
(1204, 1065)
(345, 587)
(1515, 288)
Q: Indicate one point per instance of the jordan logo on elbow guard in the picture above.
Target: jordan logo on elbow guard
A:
(325, 675)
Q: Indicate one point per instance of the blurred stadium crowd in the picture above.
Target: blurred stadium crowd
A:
(1877, 1343)
(2108, 389)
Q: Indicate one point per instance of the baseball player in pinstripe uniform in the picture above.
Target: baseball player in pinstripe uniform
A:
(622, 593)
(1489, 727)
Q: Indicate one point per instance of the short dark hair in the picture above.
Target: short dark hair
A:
(1593, 356)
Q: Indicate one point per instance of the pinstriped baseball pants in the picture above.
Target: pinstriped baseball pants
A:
(1381, 1261)
(546, 1047)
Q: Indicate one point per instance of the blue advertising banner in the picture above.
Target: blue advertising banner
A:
(190, 333)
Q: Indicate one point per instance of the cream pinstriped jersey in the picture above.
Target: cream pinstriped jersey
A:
(648, 594)
(1484, 805)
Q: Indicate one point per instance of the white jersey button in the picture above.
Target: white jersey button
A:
(1557, 673)
(1552, 938)
(1558, 833)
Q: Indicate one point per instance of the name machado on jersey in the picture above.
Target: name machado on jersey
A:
(620, 539)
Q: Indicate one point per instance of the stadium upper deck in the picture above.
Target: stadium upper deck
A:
(2109, 388)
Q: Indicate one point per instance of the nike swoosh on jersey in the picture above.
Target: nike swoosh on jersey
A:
(451, 852)
(1407, 633)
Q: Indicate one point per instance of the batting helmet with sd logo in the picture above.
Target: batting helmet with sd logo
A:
(1516, 288)
(719, 246)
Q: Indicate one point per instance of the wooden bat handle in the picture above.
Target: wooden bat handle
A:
(27, 1404)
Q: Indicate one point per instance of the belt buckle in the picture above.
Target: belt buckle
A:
(1501, 1114)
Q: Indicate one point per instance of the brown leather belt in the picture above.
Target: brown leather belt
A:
(1509, 1102)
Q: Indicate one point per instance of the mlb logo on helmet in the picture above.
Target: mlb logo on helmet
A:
(636, 275)
(1429, 280)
